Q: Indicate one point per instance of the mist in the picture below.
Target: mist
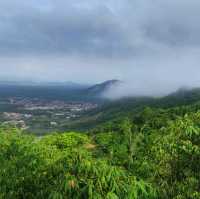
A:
(152, 46)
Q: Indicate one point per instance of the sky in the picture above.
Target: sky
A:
(153, 45)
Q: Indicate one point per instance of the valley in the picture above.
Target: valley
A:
(77, 144)
(49, 107)
(41, 115)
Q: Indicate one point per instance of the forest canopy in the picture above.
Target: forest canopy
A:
(153, 155)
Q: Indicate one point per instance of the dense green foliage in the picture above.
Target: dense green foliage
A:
(62, 166)
(142, 153)
(156, 154)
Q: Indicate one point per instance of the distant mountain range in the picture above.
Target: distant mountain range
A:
(57, 90)
(79, 90)
(76, 92)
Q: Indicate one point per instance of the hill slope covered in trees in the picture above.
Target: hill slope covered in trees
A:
(153, 153)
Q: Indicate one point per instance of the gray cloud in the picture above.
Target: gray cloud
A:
(97, 27)
(152, 44)
(61, 27)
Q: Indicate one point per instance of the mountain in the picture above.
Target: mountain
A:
(57, 90)
(99, 89)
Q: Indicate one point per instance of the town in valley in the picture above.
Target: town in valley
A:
(42, 115)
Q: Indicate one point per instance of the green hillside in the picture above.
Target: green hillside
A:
(149, 148)
(130, 107)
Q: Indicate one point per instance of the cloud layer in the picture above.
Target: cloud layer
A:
(154, 45)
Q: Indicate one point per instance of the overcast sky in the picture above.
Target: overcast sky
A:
(148, 43)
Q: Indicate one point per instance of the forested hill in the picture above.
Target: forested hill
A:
(129, 107)
(136, 148)
(155, 154)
